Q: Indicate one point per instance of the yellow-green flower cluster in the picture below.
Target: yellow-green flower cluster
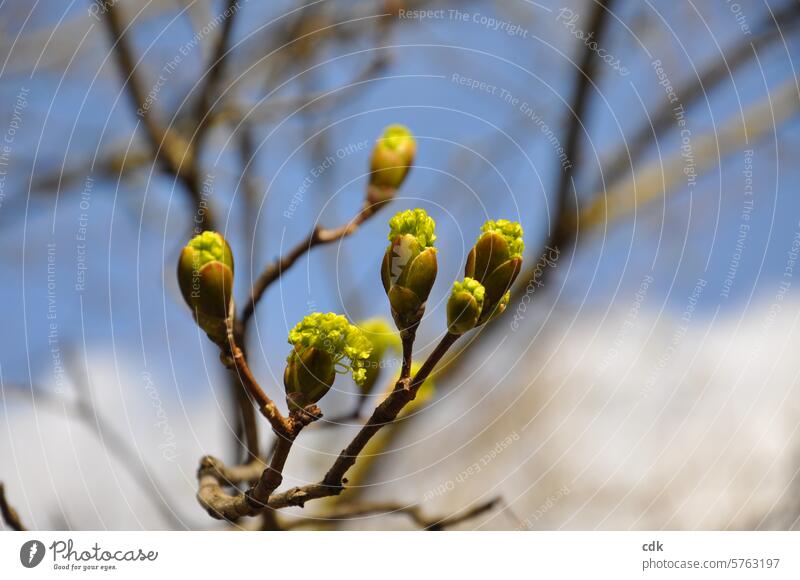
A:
(409, 266)
(416, 223)
(495, 261)
(510, 231)
(333, 334)
(209, 246)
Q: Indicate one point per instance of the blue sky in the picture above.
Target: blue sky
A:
(479, 157)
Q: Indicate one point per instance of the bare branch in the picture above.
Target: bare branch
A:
(414, 512)
(237, 360)
(655, 180)
(216, 69)
(694, 89)
(318, 236)
(585, 80)
(169, 147)
(222, 505)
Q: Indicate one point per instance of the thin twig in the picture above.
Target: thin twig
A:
(167, 145)
(386, 412)
(246, 423)
(10, 516)
(318, 236)
(414, 512)
(221, 50)
(280, 424)
(408, 336)
(222, 505)
(272, 476)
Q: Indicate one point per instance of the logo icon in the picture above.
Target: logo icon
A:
(31, 553)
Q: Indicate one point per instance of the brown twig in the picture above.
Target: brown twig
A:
(407, 337)
(167, 145)
(10, 516)
(222, 505)
(272, 476)
(318, 236)
(404, 392)
(205, 102)
(414, 512)
(246, 423)
(213, 474)
(232, 476)
(280, 424)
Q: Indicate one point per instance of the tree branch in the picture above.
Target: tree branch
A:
(414, 512)
(167, 145)
(222, 505)
(318, 236)
(237, 360)
(205, 102)
(700, 85)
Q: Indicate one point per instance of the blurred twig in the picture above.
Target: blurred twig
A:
(83, 409)
(318, 236)
(10, 516)
(414, 512)
(655, 180)
(216, 69)
(700, 85)
(167, 145)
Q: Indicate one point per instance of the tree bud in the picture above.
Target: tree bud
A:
(324, 345)
(464, 306)
(205, 277)
(409, 266)
(495, 261)
(392, 158)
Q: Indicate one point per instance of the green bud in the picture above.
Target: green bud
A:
(392, 157)
(496, 259)
(309, 374)
(465, 305)
(409, 265)
(324, 345)
(384, 339)
(205, 277)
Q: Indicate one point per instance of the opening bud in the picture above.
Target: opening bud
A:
(324, 345)
(465, 305)
(495, 261)
(409, 266)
